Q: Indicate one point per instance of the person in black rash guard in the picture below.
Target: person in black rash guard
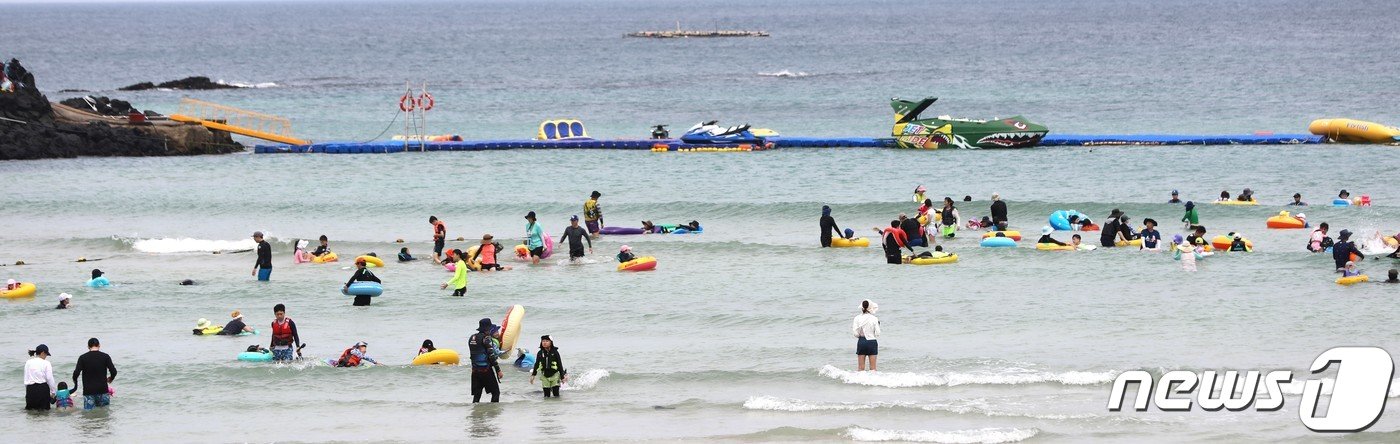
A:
(1109, 235)
(263, 267)
(361, 274)
(97, 370)
(1344, 248)
(1126, 229)
(913, 232)
(1198, 238)
(999, 212)
(892, 244)
(576, 236)
(322, 249)
(235, 325)
(1046, 239)
(828, 224)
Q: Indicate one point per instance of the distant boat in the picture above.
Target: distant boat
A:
(682, 33)
(948, 132)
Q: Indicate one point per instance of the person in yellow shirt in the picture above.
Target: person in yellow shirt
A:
(593, 215)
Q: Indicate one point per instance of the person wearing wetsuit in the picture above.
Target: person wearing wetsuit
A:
(576, 236)
(1126, 229)
(894, 238)
(999, 212)
(486, 372)
(322, 249)
(1175, 198)
(284, 334)
(97, 370)
(828, 225)
(1343, 249)
(1109, 236)
(913, 232)
(362, 274)
(263, 267)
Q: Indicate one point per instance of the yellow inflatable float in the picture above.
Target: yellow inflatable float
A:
(1285, 221)
(1054, 247)
(944, 259)
(1354, 131)
(1353, 280)
(25, 289)
(370, 261)
(1013, 234)
(859, 242)
(1222, 243)
(1236, 202)
(1129, 243)
(443, 356)
(328, 257)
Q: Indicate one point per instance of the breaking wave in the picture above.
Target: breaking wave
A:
(987, 435)
(1005, 377)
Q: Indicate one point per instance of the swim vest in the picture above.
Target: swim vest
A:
(282, 332)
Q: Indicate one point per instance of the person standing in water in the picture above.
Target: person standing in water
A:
(439, 238)
(1176, 197)
(362, 274)
(534, 238)
(948, 217)
(828, 225)
(1192, 218)
(486, 372)
(893, 238)
(575, 236)
(866, 328)
(1297, 201)
(593, 215)
(97, 370)
(263, 267)
(284, 335)
(999, 213)
(39, 385)
(549, 367)
(919, 194)
(459, 274)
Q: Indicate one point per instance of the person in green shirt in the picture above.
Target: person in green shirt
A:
(534, 238)
(1192, 218)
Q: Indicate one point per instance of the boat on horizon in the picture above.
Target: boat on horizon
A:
(910, 131)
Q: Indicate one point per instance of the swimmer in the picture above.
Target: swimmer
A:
(1191, 218)
(1344, 249)
(64, 301)
(998, 209)
(534, 238)
(1150, 236)
(1224, 196)
(624, 254)
(1176, 199)
(1319, 241)
(919, 194)
(486, 254)
(98, 281)
(1076, 241)
(427, 347)
(1238, 244)
(1197, 238)
(404, 255)
(1344, 195)
(894, 238)
(1045, 237)
(1246, 196)
(1394, 277)
(1297, 201)
(323, 249)
(593, 214)
(1350, 270)
(914, 233)
(575, 236)
(362, 274)
(355, 356)
(235, 325)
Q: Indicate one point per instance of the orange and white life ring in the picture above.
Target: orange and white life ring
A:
(426, 101)
(407, 103)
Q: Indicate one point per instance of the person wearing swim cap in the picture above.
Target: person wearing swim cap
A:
(828, 226)
(263, 267)
(576, 236)
(593, 214)
(534, 238)
(362, 274)
(1175, 198)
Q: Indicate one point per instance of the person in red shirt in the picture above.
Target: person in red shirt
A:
(894, 239)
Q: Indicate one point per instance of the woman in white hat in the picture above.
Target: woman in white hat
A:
(64, 300)
(866, 328)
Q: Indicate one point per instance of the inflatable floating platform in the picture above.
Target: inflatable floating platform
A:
(675, 145)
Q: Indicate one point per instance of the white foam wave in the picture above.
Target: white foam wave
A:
(973, 406)
(586, 380)
(987, 435)
(1002, 377)
(189, 245)
(249, 85)
(784, 73)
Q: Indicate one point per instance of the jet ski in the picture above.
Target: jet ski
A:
(711, 133)
(911, 131)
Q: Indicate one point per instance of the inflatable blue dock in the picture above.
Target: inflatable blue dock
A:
(674, 145)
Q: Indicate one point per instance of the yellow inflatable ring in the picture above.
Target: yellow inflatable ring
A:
(1236, 202)
(859, 242)
(328, 257)
(370, 261)
(1353, 280)
(1054, 247)
(1129, 243)
(26, 289)
(444, 356)
(947, 259)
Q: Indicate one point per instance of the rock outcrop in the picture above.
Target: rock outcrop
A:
(187, 83)
(33, 128)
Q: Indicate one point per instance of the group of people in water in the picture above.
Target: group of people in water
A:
(906, 233)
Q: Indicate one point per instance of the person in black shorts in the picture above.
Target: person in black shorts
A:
(439, 237)
(576, 236)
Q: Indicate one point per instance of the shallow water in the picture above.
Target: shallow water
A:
(742, 332)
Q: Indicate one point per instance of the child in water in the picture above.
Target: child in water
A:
(1186, 253)
(1394, 277)
(1238, 244)
(323, 249)
(1224, 196)
(427, 347)
(549, 368)
(355, 356)
(1350, 270)
(1076, 241)
(1150, 236)
(63, 398)
(625, 254)
(404, 256)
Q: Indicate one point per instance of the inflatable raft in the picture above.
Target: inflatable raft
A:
(1285, 221)
(443, 356)
(1353, 280)
(639, 264)
(1354, 131)
(944, 259)
(510, 329)
(26, 289)
(1236, 202)
(859, 242)
(1222, 243)
(620, 231)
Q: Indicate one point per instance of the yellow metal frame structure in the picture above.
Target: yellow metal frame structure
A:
(237, 121)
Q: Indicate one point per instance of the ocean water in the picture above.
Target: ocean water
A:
(742, 333)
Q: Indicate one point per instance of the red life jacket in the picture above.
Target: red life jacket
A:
(282, 332)
(348, 360)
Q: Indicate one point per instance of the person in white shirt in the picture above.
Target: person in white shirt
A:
(866, 329)
(39, 385)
